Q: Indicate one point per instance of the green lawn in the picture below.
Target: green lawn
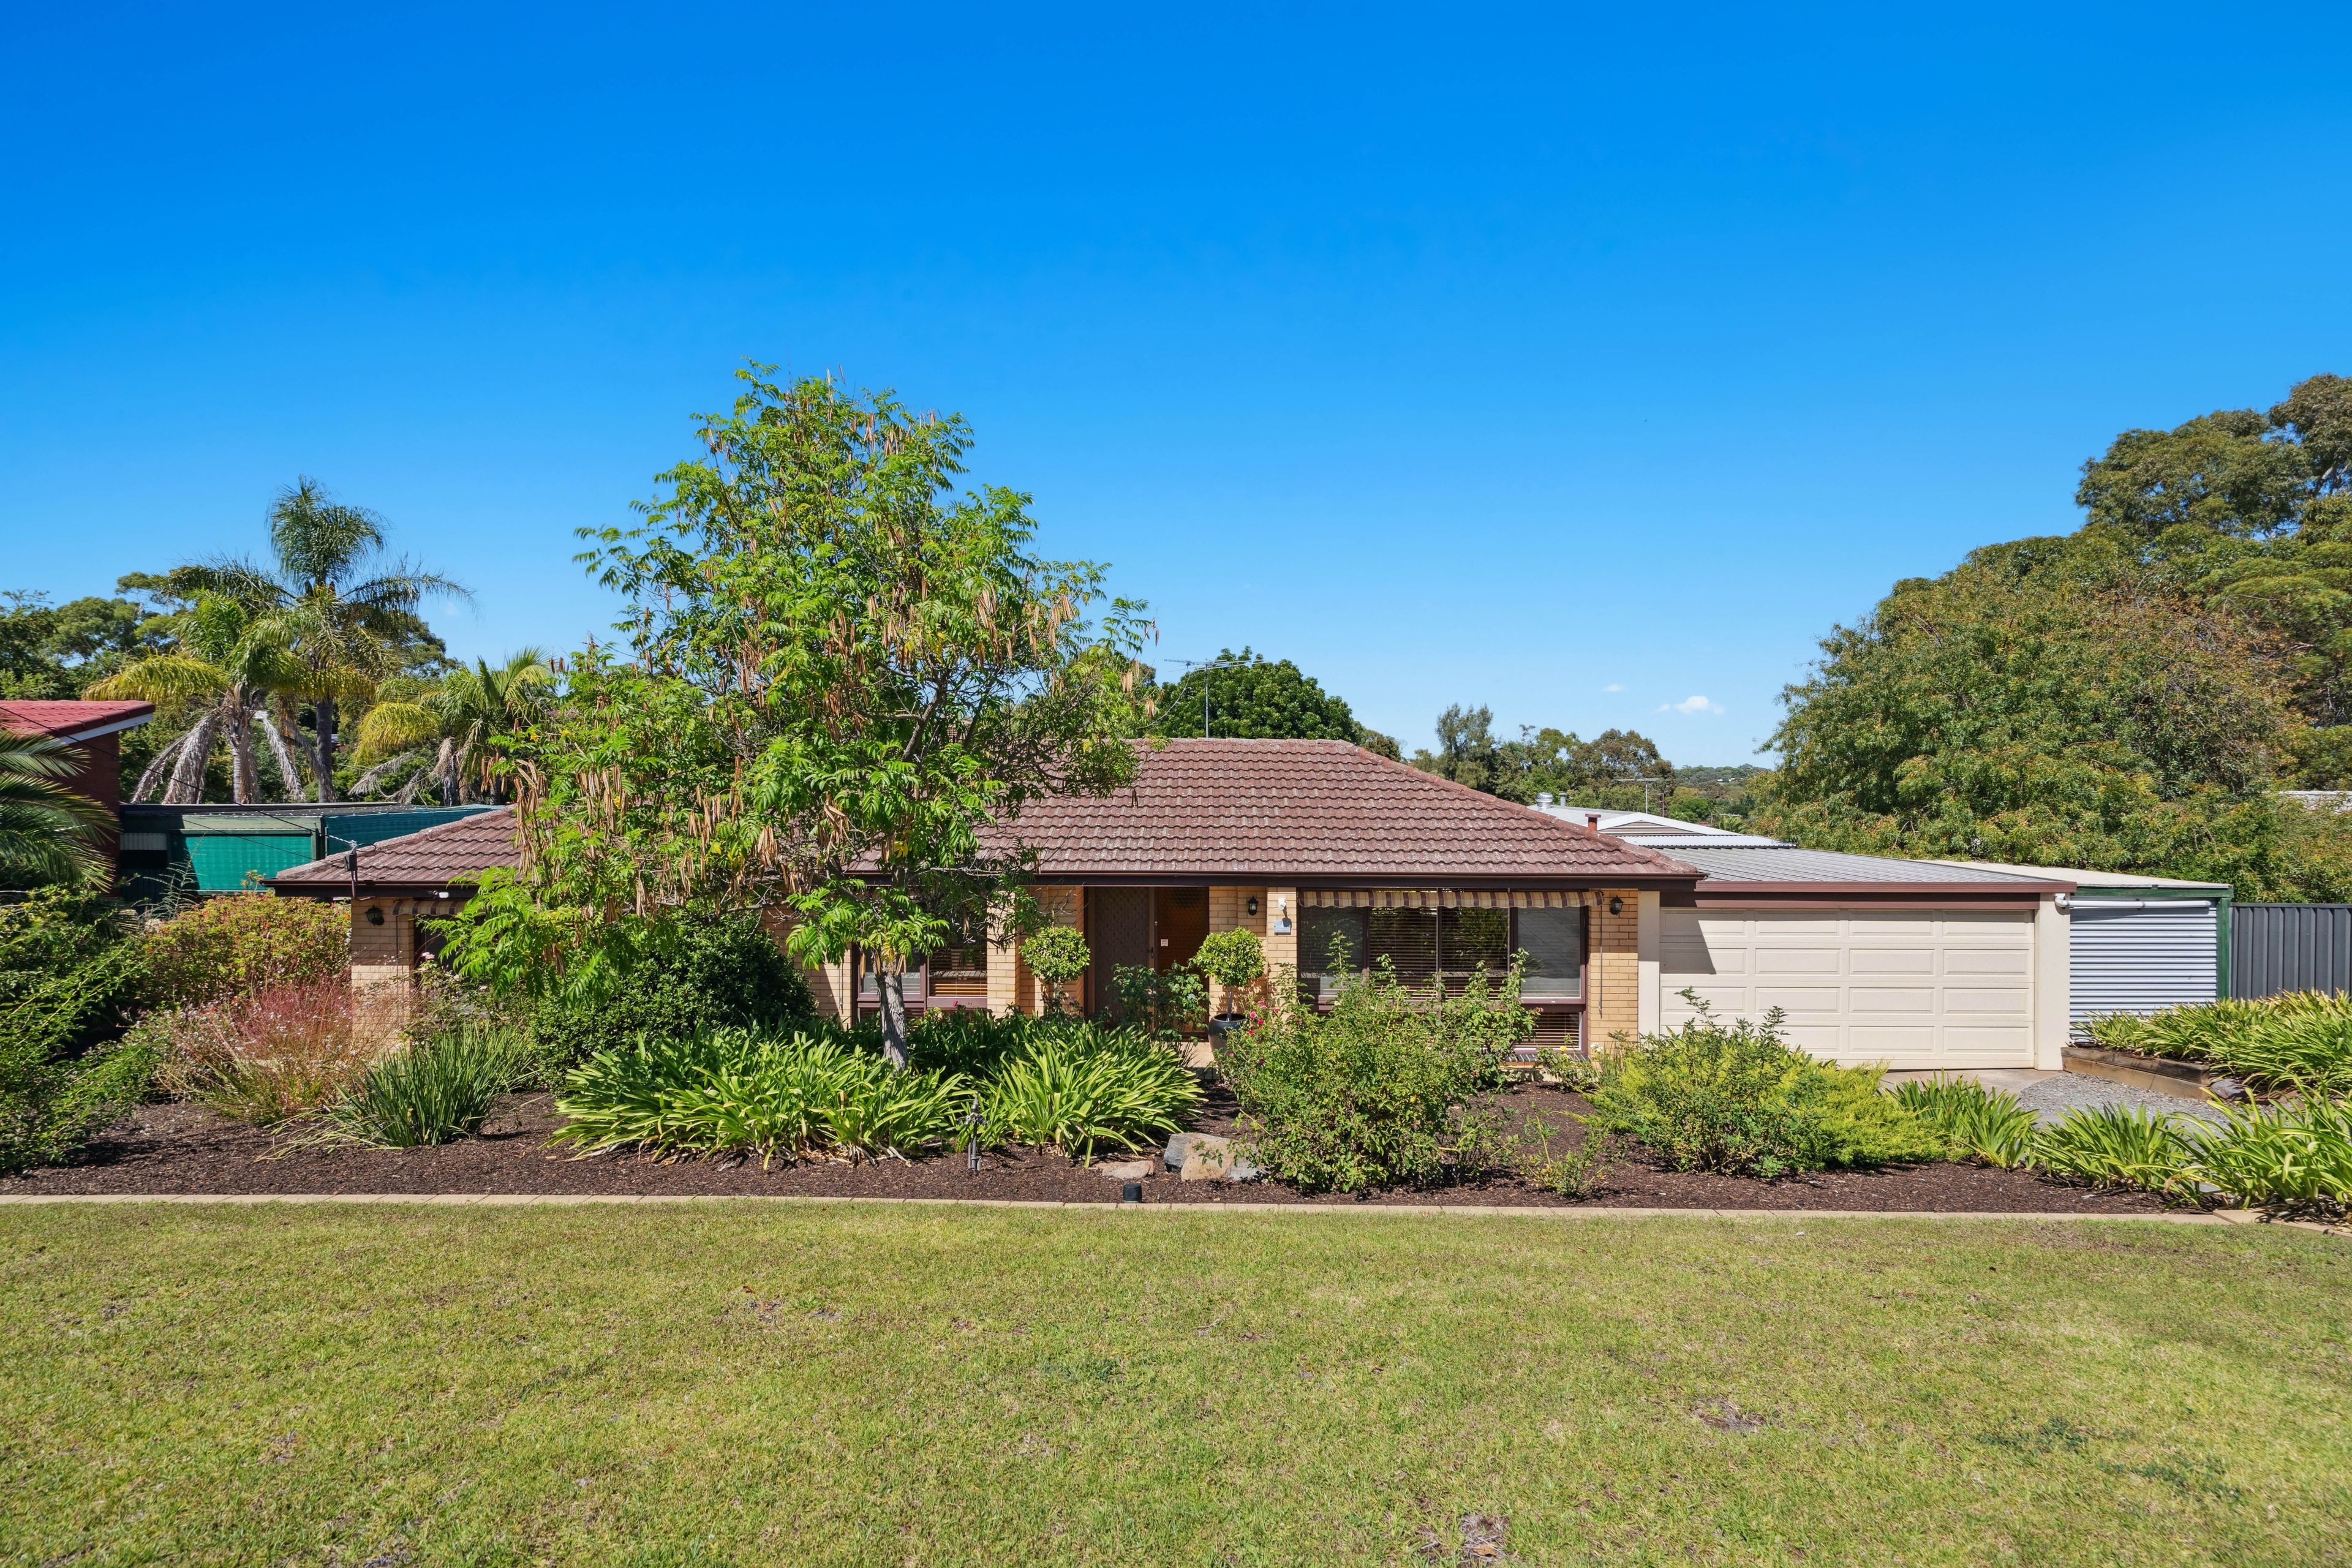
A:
(763, 1384)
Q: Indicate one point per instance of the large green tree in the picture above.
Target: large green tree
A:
(213, 686)
(2251, 509)
(445, 734)
(343, 610)
(2129, 696)
(55, 651)
(2047, 703)
(841, 666)
(1249, 697)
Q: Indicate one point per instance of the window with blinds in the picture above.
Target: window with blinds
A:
(1420, 945)
(1553, 940)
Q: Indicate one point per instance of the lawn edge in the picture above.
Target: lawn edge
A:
(1469, 1211)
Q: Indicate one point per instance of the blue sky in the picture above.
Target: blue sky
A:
(1572, 360)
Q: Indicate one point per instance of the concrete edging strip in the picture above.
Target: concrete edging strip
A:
(1478, 1211)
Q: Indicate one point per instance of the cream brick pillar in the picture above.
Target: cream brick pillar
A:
(1004, 967)
(1011, 988)
(1229, 910)
(1280, 906)
(382, 948)
(1613, 971)
(1063, 907)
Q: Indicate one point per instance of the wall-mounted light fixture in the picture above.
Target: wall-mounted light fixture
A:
(375, 915)
(1252, 903)
(1616, 906)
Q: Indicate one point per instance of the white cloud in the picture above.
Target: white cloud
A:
(1614, 686)
(1692, 704)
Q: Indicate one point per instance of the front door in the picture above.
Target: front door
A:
(1181, 916)
(1119, 935)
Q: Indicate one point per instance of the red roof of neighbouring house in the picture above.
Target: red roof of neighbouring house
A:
(1293, 811)
(451, 852)
(73, 720)
(1310, 811)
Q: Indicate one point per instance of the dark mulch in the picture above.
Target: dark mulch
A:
(181, 1148)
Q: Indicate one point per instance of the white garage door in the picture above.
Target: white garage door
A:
(1912, 988)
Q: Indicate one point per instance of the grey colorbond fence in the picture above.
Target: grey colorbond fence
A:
(2290, 947)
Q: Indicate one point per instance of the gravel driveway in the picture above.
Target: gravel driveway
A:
(2054, 1096)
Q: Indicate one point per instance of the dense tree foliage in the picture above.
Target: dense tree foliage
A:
(2130, 696)
(57, 651)
(840, 667)
(1246, 695)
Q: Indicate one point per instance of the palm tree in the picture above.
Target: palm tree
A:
(453, 729)
(218, 676)
(47, 833)
(343, 630)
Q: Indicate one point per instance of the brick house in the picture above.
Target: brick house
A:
(92, 732)
(1302, 842)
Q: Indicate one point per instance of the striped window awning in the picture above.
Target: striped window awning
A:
(1446, 898)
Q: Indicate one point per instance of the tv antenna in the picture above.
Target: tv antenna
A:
(1222, 661)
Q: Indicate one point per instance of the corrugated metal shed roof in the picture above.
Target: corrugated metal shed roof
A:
(1785, 863)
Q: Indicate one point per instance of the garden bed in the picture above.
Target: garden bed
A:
(180, 1148)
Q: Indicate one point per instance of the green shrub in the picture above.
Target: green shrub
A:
(1082, 1087)
(1057, 956)
(967, 1040)
(1983, 1124)
(69, 973)
(1577, 1173)
(2295, 1156)
(2300, 1040)
(2117, 1146)
(704, 974)
(739, 1091)
(1375, 1092)
(1234, 959)
(1739, 1101)
(48, 1106)
(438, 1088)
(242, 943)
(1162, 1003)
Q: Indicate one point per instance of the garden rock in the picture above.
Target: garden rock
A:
(1212, 1158)
(1125, 1170)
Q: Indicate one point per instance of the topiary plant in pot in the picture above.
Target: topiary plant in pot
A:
(1057, 956)
(1234, 959)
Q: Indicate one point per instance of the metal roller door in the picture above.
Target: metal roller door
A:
(1911, 988)
(2136, 955)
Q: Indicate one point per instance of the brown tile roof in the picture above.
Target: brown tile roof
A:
(452, 851)
(1301, 811)
(1312, 811)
